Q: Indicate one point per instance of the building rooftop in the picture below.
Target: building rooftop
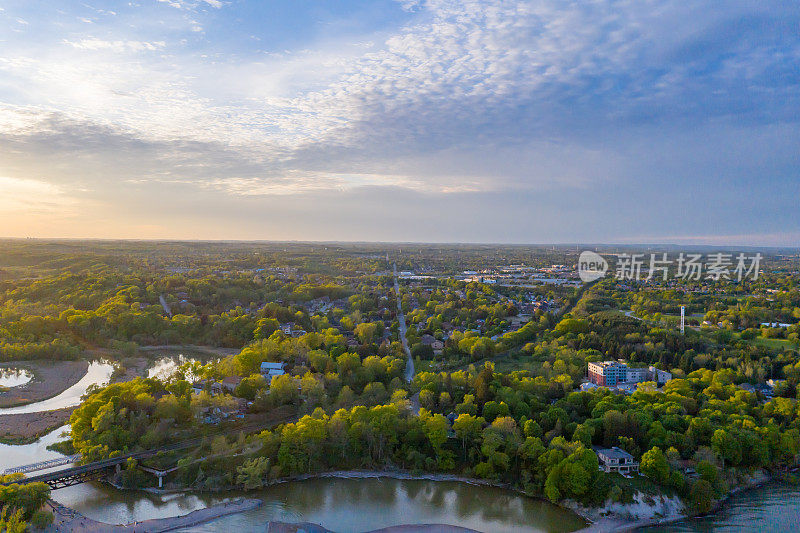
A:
(607, 363)
(615, 453)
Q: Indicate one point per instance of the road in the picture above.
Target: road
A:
(402, 320)
(629, 313)
(165, 305)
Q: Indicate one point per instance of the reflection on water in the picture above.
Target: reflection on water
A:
(359, 505)
(164, 367)
(98, 373)
(346, 505)
(14, 377)
(25, 454)
(107, 504)
(772, 507)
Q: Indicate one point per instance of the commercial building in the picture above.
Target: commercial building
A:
(607, 373)
(659, 376)
(613, 373)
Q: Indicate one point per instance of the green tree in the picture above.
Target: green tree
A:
(253, 472)
(468, 428)
(702, 495)
(654, 465)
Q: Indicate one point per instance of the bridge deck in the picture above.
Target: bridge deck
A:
(42, 465)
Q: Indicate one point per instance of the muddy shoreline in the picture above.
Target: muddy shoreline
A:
(68, 520)
(24, 428)
(51, 378)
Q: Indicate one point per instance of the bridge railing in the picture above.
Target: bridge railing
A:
(42, 465)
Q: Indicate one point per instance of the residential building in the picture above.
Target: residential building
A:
(636, 375)
(659, 376)
(771, 383)
(617, 460)
(231, 382)
(607, 373)
(207, 385)
(270, 370)
(613, 373)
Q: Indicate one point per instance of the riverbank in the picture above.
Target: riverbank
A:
(307, 527)
(68, 520)
(50, 378)
(217, 351)
(667, 510)
(752, 481)
(24, 428)
(278, 526)
(368, 474)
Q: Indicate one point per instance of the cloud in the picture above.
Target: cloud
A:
(188, 4)
(116, 46)
(505, 99)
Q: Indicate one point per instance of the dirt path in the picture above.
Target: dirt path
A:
(51, 378)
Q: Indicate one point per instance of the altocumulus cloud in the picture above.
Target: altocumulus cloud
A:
(529, 121)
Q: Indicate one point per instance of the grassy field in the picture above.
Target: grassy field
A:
(772, 344)
(775, 344)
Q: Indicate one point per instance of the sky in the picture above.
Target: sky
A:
(544, 121)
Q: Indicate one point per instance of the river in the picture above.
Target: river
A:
(346, 505)
(24, 454)
(166, 365)
(341, 505)
(363, 504)
(97, 374)
(771, 507)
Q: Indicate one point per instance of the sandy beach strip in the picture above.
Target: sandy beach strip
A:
(307, 527)
(69, 520)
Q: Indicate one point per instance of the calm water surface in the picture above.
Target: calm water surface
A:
(98, 374)
(25, 454)
(774, 507)
(361, 504)
(165, 366)
(355, 505)
(342, 505)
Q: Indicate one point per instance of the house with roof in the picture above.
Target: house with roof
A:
(269, 370)
(231, 382)
(617, 460)
(207, 385)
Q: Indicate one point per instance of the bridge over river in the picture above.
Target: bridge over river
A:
(42, 465)
(80, 474)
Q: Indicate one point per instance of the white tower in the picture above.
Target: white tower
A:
(683, 315)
